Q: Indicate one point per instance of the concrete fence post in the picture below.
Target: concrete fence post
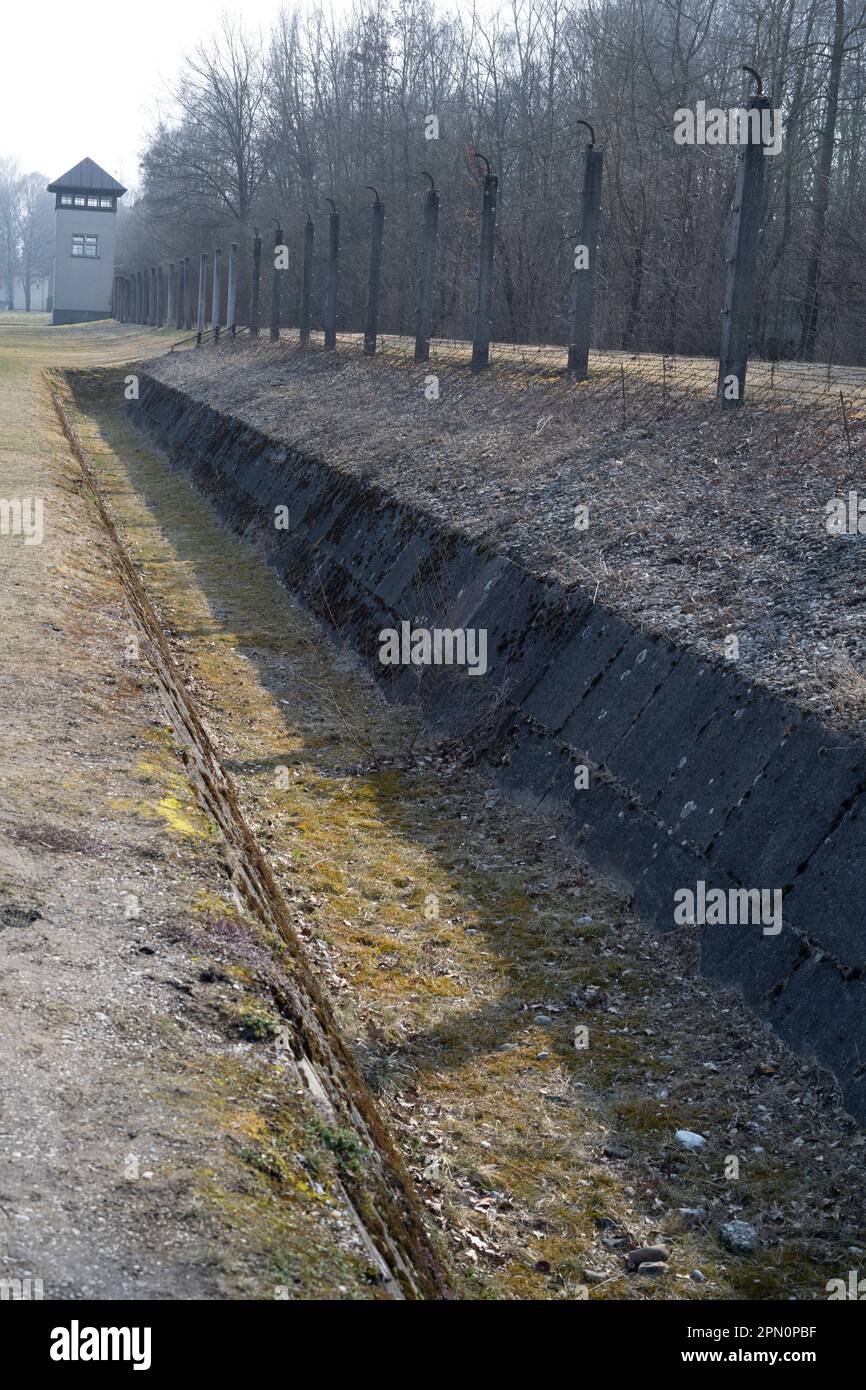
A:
(377, 231)
(424, 301)
(275, 289)
(742, 260)
(486, 245)
(153, 305)
(181, 290)
(333, 276)
(188, 307)
(202, 295)
(216, 297)
(139, 297)
(255, 284)
(160, 296)
(232, 291)
(585, 263)
(306, 282)
(171, 293)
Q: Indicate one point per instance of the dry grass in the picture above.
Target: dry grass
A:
(700, 526)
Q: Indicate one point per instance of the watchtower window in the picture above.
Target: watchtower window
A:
(66, 200)
(85, 245)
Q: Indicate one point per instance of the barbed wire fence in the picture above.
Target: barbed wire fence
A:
(348, 291)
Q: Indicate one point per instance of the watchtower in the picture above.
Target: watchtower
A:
(86, 212)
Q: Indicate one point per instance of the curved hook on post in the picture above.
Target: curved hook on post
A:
(333, 204)
(371, 189)
(478, 155)
(308, 217)
(590, 129)
(425, 175)
(756, 77)
(256, 231)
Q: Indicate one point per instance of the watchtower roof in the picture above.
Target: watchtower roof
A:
(86, 177)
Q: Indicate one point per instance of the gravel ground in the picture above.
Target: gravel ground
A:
(700, 527)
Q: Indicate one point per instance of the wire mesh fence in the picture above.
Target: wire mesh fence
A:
(799, 410)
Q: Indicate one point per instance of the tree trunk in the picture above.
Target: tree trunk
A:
(821, 196)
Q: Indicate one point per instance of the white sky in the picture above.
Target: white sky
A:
(86, 79)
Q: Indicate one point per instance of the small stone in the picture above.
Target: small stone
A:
(693, 1213)
(507, 1047)
(653, 1271)
(594, 1276)
(542, 1056)
(689, 1139)
(698, 1277)
(542, 1018)
(740, 1237)
(616, 1151)
(647, 1254)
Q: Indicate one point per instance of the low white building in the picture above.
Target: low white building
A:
(40, 294)
(86, 211)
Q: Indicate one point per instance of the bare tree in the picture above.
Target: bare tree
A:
(10, 193)
(332, 103)
(36, 231)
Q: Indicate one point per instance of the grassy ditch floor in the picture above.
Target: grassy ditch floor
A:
(464, 943)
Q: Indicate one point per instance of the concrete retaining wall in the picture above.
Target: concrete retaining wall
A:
(693, 774)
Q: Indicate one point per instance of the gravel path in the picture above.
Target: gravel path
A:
(144, 1124)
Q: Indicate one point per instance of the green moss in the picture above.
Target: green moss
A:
(252, 1022)
(344, 1144)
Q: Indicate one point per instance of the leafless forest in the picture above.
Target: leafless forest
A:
(268, 126)
(26, 229)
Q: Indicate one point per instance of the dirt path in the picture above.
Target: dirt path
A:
(464, 943)
(155, 1141)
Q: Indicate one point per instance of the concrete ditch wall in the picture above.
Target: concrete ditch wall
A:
(693, 774)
